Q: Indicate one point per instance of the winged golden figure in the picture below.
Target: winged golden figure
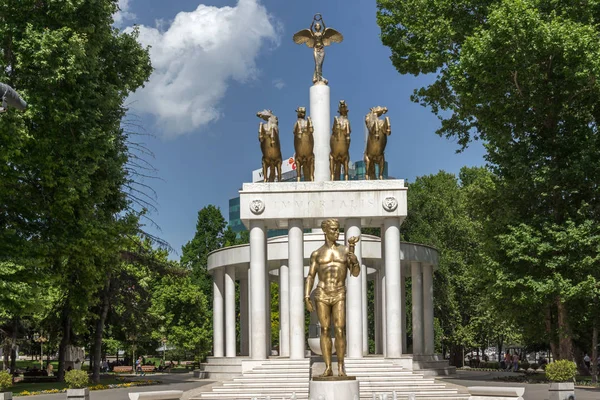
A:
(317, 37)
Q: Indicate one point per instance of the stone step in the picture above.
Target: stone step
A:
(265, 384)
(224, 360)
(267, 375)
(281, 379)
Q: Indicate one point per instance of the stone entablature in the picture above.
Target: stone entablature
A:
(312, 202)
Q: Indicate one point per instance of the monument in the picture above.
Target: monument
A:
(324, 205)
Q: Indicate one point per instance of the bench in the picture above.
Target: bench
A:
(148, 368)
(122, 368)
(162, 395)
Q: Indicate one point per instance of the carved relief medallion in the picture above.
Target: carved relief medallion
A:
(257, 206)
(390, 204)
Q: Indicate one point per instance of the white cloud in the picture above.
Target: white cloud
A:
(196, 58)
(123, 14)
(279, 83)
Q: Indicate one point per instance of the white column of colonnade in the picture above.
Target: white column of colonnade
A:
(249, 314)
(365, 317)
(284, 311)
(218, 343)
(417, 307)
(403, 313)
(230, 339)
(244, 332)
(258, 258)
(296, 291)
(382, 294)
(354, 309)
(428, 341)
(378, 314)
(392, 290)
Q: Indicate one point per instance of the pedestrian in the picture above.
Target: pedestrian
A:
(508, 361)
(138, 366)
(587, 361)
(515, 361)
(502, 362)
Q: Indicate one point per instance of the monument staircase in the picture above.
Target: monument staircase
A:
(279, 378)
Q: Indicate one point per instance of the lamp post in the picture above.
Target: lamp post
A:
(40, 339)
(132, 339)
(164, 343)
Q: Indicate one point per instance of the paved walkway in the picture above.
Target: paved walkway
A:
(533, 391)
(192, 387)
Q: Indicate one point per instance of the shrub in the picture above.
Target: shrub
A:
(76, 379)
(5, 381)
(561, 371)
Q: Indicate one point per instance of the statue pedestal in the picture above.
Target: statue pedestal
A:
(334, 388)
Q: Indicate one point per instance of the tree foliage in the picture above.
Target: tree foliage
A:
(522, 76)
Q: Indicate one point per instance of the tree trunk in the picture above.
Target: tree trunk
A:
(13, 346)
(100, 330)
(64, 342)
(565, 340)
(550, 332)
(594, 361)
(6, 354)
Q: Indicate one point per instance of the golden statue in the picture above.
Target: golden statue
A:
(331, 263)
(379, 130)
(318, 37)
(304, 143)
(340, 144)
(268, 136)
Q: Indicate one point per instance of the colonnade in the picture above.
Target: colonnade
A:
(390, 310)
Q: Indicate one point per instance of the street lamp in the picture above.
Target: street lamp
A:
(164, 343)
(41, 340)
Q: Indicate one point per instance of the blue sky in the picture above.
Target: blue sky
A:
(220, 63)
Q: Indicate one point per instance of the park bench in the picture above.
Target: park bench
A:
(122, 368)
(162, 395)
(148, 368)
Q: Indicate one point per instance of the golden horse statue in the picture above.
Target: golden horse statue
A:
(340, 143)
(379, 130)
(304, 143)
(268, 136)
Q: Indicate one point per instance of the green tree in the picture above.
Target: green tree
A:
(437, 216)
(521, 75)
(66, 153)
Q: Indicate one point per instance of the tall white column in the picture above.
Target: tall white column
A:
(218, 343)
(354, 307)
(365, 317)
(428, 341)
(258, 258)
(417, 307)
(392, 290)
(268, 343)
(378, 343)
(244, 332)
(284, 311)
(230, 345)
(382, 298)
(320, 108)
(249, 313)
(296, 306)
(403, 313)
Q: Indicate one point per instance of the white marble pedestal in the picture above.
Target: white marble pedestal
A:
(334, 390)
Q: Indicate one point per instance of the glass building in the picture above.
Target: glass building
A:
(357, 173)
